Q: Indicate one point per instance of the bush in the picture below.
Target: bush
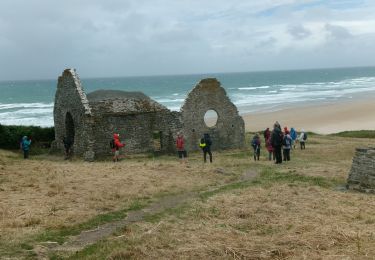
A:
(10, 136)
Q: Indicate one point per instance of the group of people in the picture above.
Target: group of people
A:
(205, 145)
(278, 143)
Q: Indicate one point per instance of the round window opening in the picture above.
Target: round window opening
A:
(210, 118)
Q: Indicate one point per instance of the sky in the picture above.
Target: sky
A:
(40, 38)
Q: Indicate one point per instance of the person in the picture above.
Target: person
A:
(271, 154)
(293, 135)
(25, 146)
(68, 142)
(255, 143)
(302, 139)
(180, 145)
(276, 141)
(287, 145)
(205, 144)
(116, 147)
(266, 134)
(286, 131)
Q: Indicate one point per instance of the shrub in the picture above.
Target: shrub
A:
(10, 136)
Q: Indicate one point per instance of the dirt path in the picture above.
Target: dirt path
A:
(88, 237)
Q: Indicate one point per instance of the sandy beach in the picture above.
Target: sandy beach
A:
(356, 114)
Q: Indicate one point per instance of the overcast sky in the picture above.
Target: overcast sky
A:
(103, 38)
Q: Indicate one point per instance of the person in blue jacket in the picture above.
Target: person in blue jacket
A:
(25, 146)
(293, 135)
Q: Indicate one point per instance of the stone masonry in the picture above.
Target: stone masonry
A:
(143, 124)
(229, 131)
(362, 173)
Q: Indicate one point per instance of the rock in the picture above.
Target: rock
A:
(362, 173)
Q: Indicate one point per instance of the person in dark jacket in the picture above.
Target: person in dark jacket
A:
(287, 145)
(68, 142)
(277, 141)
(255, 143)
(25, 146)
(205, 144)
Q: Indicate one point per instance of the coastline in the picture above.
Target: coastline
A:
(357, 113)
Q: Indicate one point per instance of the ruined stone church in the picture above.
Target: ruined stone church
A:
(145, 125)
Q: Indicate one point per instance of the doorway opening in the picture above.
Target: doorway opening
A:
(157, 142)
(69, 127)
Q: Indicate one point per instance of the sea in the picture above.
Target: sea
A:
(30, 102)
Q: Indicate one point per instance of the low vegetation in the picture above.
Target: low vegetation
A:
(12, 135)
(243, 210)
(357, 134)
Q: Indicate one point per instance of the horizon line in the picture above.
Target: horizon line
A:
(194, 74)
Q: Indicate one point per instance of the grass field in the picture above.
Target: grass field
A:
(242, 209)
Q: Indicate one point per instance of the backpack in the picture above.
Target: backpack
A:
(254, 142)
(286, 141)
(304, 136)
(207, 140)
(112, 144)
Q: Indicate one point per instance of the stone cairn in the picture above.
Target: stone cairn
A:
(362, 173)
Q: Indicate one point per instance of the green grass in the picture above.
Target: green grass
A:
(268, 177)
(356, 134)
(176, 211)
(60, 235)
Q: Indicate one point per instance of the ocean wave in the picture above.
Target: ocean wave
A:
(253, 88)
(167, 100)
(27, 112)
(45, 121)
(25, 105)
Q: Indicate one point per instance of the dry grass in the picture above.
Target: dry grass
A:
(47, 193)
(280, 222)
(277, 220)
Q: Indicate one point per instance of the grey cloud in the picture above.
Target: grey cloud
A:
(40, 38)
(338, 32)
(298, 32)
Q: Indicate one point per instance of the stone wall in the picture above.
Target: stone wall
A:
(229, 131)
(72, 113)
(362, 173)
(137, 131)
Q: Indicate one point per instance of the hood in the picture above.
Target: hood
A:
(24, 138)
(116, 136)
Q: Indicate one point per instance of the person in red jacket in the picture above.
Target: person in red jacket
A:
(116, 147)
(180, 145)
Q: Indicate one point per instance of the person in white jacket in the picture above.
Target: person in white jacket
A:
(302, 139)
